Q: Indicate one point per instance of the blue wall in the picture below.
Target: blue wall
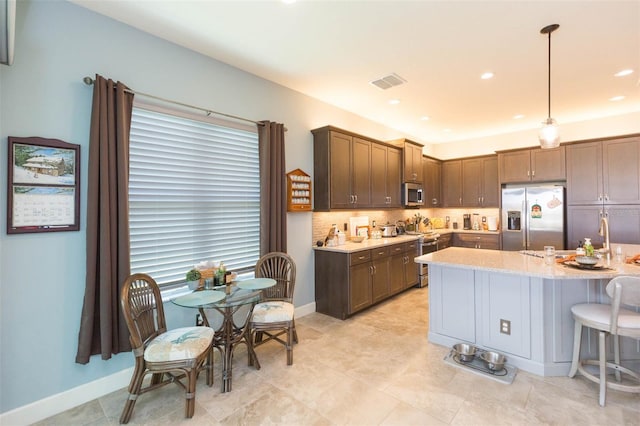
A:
(42, 94)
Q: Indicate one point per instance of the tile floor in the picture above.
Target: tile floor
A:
(374, 369)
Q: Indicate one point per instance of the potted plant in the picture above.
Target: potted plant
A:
(193, 279)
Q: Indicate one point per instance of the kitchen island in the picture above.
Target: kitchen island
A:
(513, 303)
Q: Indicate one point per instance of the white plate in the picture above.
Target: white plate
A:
(199, 298)
(256, 283)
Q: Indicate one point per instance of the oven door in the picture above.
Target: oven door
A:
(427, 247)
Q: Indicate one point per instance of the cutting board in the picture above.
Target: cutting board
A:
(356, 221)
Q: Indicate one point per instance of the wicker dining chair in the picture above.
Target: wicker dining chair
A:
(168, 355)
(273, 317)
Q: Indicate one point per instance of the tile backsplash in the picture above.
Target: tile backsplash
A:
(322, 221)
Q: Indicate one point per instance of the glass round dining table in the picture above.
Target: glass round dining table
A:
(229, 301)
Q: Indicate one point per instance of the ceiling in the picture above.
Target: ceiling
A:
(332, 50)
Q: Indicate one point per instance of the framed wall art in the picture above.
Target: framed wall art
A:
(43, 193)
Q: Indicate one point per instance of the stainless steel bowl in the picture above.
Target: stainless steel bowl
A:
(465, 351)
(493, 360)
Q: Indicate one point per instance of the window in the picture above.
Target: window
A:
(194, 194)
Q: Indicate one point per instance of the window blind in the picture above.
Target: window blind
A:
(194, 195)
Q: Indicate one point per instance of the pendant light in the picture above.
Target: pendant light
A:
(549, 134)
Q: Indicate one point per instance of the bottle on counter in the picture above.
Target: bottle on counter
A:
(580, 249)
(588, 247)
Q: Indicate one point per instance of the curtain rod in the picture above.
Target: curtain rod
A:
(89, 82)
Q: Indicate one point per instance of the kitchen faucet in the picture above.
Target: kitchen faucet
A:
(604, 232)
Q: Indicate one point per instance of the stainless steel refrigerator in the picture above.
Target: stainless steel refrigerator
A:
(533, 216)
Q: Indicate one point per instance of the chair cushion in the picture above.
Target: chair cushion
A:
(275, 311)
(596, 315)
(180, 343)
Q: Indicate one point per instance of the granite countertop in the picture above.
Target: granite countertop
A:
(514, 262)
(350, 246)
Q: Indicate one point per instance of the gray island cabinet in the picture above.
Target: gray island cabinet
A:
(515, 304)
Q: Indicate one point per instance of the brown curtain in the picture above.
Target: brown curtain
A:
(102, 326)
(273, 188)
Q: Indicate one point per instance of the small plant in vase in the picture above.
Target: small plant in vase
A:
(193, 279)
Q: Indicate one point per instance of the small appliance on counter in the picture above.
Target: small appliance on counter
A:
(389, 230)
(401, 227)
(466, 221)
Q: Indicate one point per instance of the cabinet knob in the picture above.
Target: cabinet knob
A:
(533, 173)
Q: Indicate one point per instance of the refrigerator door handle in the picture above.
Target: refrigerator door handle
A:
(523, 223)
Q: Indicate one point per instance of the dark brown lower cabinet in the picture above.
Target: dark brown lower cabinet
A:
(346, 283)
(477, 240)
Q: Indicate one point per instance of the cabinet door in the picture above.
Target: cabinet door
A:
(396, 273)
(515, 166)
(340, 171)
(490, 194)
(452, 183)
(380, 279)
(548, 164)
(361, 177)
(394, 177)
(452, 309)
(584, 173)
(432, 181)
(583, 222)
(417, 162)
(624, 224)
(621, 171)
(412, 163)
(378, 175)
(359, 287)
(505, 297)
(471, 175)
(411, 268)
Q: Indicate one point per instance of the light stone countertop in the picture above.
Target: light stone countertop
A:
(514, 262)
(351, 247)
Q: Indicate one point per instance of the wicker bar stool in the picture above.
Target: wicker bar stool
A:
(612, 320)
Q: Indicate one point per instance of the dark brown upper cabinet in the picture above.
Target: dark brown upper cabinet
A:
(354, 172)
(432, 183)
(532, 165)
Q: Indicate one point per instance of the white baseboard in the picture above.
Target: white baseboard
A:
(56, 404)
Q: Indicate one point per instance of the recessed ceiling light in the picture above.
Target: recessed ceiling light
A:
(623, 73)
(487, 75)
(424, 118)
(518, 116)
(394, 101)
(616, 98)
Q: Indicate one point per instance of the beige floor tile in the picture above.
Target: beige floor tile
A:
(376, 368)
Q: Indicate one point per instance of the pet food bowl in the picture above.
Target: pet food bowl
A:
(465, 351)
(493, 360)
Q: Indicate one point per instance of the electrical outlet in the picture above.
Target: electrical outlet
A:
(505, 326)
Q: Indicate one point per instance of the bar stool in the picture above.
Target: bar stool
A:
(616, 321)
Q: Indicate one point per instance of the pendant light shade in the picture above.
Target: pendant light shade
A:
(549, 134)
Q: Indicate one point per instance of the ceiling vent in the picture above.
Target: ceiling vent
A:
(388, 81)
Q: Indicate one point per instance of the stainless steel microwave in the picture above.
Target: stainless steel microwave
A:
(412, 194)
